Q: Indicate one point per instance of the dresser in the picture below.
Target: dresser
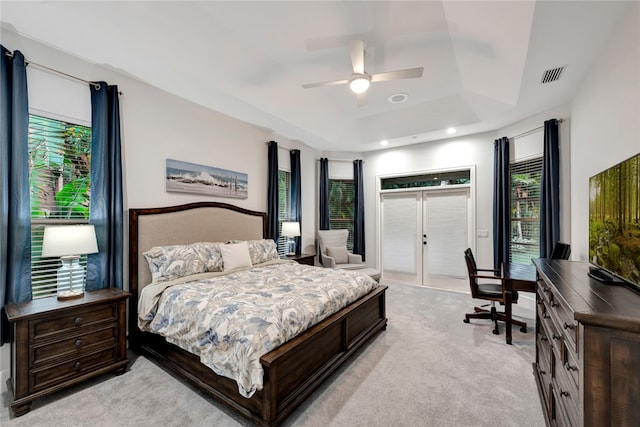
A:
(587, 364)
(57, 344)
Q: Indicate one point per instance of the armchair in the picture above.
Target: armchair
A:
(333, 250)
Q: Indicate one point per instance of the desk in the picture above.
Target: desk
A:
(516, 277)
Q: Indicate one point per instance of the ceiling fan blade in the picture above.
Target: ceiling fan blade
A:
(321, 84)
(357, 56)
(410, 73)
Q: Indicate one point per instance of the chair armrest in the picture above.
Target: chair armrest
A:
(497, 272)
(479, 276)
(327, 261)
(354, 258)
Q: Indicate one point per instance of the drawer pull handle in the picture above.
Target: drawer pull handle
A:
(78, 321)
(554, 304)
(564, 393)
(556, 337)
(78, 343)
(545, 315)
(77, 365)
(543, 372)
(569, 367)
(567, 326)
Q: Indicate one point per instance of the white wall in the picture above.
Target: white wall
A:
(605, 125)
(156, 125)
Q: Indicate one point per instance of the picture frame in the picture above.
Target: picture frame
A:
(185, 177)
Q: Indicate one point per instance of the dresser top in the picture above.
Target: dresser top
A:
(48, 304)
(592, 302)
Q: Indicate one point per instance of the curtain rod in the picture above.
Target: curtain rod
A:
(44, 67)
(534, 130)
(341, 160)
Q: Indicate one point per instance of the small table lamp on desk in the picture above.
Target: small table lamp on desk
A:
(69, 242)
(291, 230)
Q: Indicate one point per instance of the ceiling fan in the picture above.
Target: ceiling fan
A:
(360, 80)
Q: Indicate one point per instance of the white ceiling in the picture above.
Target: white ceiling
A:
(483, 60)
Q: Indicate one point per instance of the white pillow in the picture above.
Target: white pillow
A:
(339, 254)
(235, 255)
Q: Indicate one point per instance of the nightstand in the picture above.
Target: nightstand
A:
(308, 259)
(57, 344)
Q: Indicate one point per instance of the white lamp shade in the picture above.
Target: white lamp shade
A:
(290, 229)
(66, 240)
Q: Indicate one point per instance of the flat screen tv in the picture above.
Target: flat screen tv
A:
(614, 224)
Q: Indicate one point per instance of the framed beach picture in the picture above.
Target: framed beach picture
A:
(184, 177)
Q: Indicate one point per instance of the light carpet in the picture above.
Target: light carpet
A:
(427, 369)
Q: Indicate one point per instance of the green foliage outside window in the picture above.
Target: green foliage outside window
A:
(60, 158)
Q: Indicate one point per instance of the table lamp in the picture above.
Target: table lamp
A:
(290, 230)
(69, 242)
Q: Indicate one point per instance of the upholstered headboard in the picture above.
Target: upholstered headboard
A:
(184, 224)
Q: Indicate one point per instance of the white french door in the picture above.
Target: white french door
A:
(424, 234)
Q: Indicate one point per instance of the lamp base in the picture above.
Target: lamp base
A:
(65, 295)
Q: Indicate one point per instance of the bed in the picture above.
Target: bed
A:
(292, 371)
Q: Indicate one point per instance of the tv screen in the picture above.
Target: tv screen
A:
(614, 223)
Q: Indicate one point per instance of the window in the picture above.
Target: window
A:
(341, 201)
(524, 242)
(284, 192)
(59, 179)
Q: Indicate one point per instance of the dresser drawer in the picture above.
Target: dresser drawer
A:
(71, 322)
(74, 346)
(566, 399)
(42, 378)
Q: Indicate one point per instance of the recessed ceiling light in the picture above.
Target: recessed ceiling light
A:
(451, 131)
(384, 142)
(398, 98)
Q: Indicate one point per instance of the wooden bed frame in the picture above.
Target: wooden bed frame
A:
(292, 371)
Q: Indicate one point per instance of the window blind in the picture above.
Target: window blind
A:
(524, 242)
(59, 178)
(284, 191)
(341, 204)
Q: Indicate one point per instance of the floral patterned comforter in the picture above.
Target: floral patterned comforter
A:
(231, 319)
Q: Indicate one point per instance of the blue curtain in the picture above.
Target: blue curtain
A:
(295, 199)
(104, 269)
(358, 209)
(501, 189)
(272, 192)
(550, 190)
(324, 194)
(15, 234)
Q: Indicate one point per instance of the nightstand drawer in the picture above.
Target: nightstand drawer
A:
(57, 374)
(52, 327)
(74, 346)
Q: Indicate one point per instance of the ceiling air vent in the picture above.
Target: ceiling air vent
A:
(552, 75)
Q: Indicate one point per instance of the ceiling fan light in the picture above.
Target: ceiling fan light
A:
(359, 84)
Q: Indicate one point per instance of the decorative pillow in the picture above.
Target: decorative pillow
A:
(339, 254)
(262, 250)
(210, 254)
(235, 255)
(171, 262)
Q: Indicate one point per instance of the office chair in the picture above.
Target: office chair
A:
(488, 291)
(561, 251)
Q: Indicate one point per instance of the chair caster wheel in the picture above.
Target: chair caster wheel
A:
(465, 320)
(523, 329)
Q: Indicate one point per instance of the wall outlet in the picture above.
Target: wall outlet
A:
(483, 233)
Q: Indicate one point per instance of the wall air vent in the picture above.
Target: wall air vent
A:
(552, 75)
